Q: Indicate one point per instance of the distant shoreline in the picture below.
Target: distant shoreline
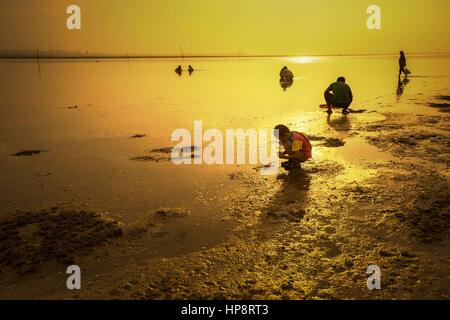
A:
(146, 57)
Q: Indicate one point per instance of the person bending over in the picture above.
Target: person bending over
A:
(339, 94)
(297, 148)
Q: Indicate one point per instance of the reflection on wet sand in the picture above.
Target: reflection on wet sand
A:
(286, 84)
(342, 123)
(399, 88)
(401, 84)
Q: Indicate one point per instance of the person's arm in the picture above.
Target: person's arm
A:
(285, 153)
(328, 89)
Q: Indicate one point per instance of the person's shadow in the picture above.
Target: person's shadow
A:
(342, 125)
(292, 198)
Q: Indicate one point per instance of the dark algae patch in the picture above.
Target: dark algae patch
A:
(30, 239)
(182, 149)
(138, 136)
(327, 142)
(164, 154)
(151, 158)
(441, 105)
(445, 98)
(333, 143)
(28, 153)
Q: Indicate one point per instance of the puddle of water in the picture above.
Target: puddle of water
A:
(356, 156)
(357, 150)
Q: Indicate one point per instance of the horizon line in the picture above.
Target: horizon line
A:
(80, 56)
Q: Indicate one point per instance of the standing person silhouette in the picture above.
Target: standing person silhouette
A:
(402, 64)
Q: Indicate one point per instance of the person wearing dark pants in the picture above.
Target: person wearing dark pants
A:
(339, 94)
(402, 64)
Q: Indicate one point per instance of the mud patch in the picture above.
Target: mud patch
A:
(358, 111)
(71, 107)
(151, 158)
(445, 98)
(30, 239)
(430, 139)
(171, 212)
(327, 142)
(333, 143)
(152, 222)
(138, 136)
(442, 106)
(182, 149)
(164, 154)
(28, 153)
(427, 215)
(433, 147)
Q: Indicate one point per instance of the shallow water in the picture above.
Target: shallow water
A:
(87, 163)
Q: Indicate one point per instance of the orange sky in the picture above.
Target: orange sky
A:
(227, 26)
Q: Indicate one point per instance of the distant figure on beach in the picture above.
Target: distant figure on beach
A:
(339, 95)
(179, 70)
(286, 75)
(402, 64)
(297, 147)
(190, 69)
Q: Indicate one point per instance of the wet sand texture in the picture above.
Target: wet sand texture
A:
(30, 239)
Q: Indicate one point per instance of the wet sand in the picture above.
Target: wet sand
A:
(376, 192)
(308, 235)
